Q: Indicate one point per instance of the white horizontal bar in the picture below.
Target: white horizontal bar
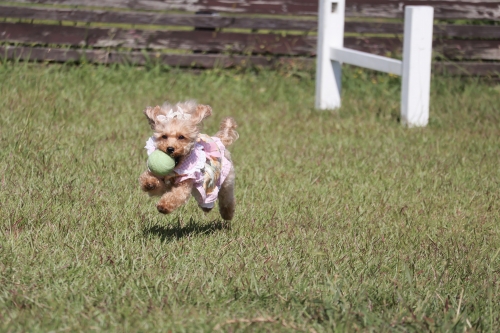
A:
(367, 60)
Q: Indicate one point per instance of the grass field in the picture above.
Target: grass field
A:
(346, 221)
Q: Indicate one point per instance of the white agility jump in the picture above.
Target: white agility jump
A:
(414, 69)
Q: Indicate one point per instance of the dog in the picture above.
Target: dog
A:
(203, 166)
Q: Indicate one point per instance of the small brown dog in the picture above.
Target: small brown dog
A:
(203, 165)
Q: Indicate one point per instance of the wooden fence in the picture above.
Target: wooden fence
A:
(226, 33)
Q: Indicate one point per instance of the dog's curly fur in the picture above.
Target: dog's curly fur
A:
(177, 138)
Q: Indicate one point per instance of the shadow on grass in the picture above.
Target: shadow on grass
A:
(178, 231)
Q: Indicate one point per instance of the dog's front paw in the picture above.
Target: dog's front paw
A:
(151, 184)
(176, 196)
(164, 208)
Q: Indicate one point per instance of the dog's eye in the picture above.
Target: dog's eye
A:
(181, 137)
(164, 137)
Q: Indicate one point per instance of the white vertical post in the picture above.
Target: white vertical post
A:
(417, 55)
(328, 72)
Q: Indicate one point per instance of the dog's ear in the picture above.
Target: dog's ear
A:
(201, 112)
(151, 113)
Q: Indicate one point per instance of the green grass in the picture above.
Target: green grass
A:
(346, 221)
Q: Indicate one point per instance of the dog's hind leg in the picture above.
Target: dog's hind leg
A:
(227, 202)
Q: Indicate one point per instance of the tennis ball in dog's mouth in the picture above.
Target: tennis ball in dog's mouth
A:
(160, 163)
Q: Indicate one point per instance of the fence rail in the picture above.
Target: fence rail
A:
(43, 29)
(236, 22)
(445, 9)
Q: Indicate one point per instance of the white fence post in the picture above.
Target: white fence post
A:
(417, 56)
(329, 72)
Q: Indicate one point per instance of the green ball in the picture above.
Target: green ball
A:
(160, 163)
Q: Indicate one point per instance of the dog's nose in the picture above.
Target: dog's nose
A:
(170, 150)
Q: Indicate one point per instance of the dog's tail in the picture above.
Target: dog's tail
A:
(227, 131)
